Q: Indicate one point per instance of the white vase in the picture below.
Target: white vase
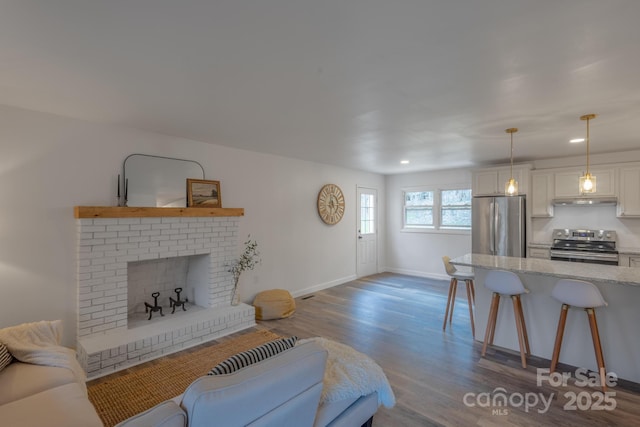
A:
(235, 295)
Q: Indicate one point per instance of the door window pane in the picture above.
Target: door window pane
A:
(367, 217)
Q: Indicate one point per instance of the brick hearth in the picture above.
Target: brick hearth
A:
(106, 340)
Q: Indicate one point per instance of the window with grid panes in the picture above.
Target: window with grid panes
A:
(455, 208)
(437, 209)
(418, 208)
(367, 210)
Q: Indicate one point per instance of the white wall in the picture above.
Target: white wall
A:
(420, 253)
(50, 164)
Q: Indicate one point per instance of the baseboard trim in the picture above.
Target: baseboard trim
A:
(427, 275)
(342, 280)
(321, 286)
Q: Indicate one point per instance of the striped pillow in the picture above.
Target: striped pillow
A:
(5, 357)
(255, 355)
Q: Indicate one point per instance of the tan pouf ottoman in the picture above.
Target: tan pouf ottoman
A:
(274, 304)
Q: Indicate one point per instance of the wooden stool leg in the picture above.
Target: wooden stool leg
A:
(559, 334)
(518, 317)
(524, 327)
(469, 299)
(453, 299)
(495, 318)
(490, 321)
(473, 291)
(446, 313)
(597, 347)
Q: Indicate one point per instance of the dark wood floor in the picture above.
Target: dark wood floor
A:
(397, 320)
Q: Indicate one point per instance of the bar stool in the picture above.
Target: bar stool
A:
(508, 284)
(577, 293)
(456, 275)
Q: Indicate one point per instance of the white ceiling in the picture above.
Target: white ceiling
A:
(356, 83)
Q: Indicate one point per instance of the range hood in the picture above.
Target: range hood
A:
(585, 201)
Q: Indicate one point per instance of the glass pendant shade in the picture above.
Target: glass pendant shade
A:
(587, 184)
(511, 186)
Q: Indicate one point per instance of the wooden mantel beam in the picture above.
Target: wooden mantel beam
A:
(142, 212)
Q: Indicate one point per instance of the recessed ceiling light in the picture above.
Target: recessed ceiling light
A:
(404, 162)
(576, 140)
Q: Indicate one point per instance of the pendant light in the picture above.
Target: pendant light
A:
(587, 181)
(511, 186)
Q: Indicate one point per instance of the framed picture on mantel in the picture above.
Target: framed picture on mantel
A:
(203, 193)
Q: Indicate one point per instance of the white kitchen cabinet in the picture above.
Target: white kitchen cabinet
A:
(539, 253)
(629, 198)
(629, 260)
(542, 193)
(491, 181)
(485, 182)
(567, 182)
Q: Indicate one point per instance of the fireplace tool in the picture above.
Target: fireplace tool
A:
(177, 302)
(148, 308)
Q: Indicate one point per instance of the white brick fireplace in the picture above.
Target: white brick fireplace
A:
(125, 258)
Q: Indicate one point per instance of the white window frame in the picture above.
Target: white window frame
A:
(441, 206)
(404, 208)
(437, 212)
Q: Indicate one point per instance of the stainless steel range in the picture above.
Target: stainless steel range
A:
(592, 246)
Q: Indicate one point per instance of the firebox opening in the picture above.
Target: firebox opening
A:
(166, 287)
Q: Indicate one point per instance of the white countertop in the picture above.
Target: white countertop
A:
(539, 245)
(571, 270)
(629, 251)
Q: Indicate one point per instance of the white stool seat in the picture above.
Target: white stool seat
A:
(467, 277)
(504, 282)
(577, 293)
(453, 271)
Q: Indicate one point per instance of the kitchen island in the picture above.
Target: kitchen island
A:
(618, 322)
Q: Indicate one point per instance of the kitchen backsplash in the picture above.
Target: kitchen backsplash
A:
(599, 217)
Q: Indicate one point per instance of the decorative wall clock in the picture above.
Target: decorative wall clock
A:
(331, 204)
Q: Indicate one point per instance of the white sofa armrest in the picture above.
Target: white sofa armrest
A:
(165, 414)
(283, 390)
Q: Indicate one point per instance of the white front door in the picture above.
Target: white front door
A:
(367, 232)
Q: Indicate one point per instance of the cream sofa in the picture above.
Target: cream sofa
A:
(283, 390)
(44, 385)
(38, 396)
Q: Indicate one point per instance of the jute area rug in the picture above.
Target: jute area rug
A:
(124, 394)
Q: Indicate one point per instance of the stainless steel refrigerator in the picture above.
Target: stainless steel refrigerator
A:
(498, 225)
